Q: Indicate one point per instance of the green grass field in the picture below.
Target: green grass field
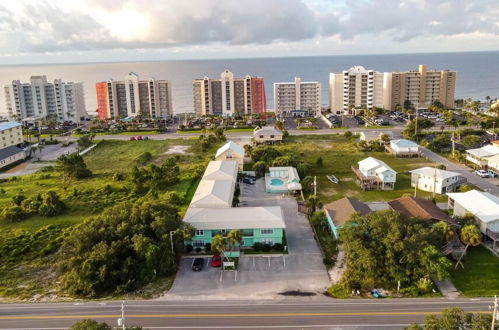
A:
(480, 277)
(339, 154)
(28, 268)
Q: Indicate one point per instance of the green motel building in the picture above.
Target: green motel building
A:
(210, 211)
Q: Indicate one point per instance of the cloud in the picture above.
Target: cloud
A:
(62, 26)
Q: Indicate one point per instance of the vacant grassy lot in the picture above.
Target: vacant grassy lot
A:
(339, 154)
(480, 277)
(27, 265)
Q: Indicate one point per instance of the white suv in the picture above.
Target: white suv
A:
(482, 173)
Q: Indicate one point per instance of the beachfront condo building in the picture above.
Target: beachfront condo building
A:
(358, 88)
(134, 97)
(229, 96)
(39, 99)
(297, 96)
(421, 88)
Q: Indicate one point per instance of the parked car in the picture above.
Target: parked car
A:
(197, 264)
(132, 138)
(139, 138)
(248, 180)
(482, 173)
(216, 261)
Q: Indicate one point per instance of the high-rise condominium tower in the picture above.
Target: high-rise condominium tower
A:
(422, 88)
(132, 97)
(59, 101)
(358, 88)
(229, 96)
(297, 95)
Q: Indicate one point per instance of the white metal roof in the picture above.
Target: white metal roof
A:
(404, 143)
(7, 125)
(486, 151)
(371, 163)
(292, 173)
(235, 217)
(231, 145)
(482, 205)
(213, 193)
(434, 172)
(267, 130)
(221, 170)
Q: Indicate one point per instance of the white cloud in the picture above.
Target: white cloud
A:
(329, 26)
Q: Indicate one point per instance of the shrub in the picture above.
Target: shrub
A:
(257, 246)
(13, 214)
(88, 324)
(278, 247)
(266, 247)
(207, 247)
(198, 250)
(189, 248)
(144, 157)
(118, 176)
(51, 205)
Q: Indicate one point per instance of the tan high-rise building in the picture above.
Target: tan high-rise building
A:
(131, 97)
(421, 88)
(228, 96)
(297, 95)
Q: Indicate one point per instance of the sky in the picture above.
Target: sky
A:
(69, 31)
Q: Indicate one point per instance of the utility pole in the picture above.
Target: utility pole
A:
(434, 181)
(416, 125)
(495, 313)
(121, 320)
(171, 240)
(315, 186)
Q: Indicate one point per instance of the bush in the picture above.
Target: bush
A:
(51, 205)
(13, 214)
(198, 250)
(118, 176)
(266, 247)
(278, 247)
(257, 246)
(337, 291)
(189, 248)
(88, 324)
(144, 157)
(207, 247)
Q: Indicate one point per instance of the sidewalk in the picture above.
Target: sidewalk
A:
(472, 178)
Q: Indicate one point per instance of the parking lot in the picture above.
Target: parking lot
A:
(260, 276)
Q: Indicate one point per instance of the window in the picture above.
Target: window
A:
(271, 136)
(268, 241)
(267, 231)
(261, 136)
(198, 243)
(199, 233)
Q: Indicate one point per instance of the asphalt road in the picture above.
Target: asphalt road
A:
(319, 313)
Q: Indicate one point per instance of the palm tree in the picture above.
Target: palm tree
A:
(235, 237)
(313, 203)
(444, 230)
(470, 235)
(218, 244)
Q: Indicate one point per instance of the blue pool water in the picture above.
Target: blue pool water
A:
(276, 182)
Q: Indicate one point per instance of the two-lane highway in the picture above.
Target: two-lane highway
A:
(290, 313)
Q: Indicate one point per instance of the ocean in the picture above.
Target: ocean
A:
(477, 72)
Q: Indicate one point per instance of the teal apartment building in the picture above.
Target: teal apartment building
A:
(211, 213)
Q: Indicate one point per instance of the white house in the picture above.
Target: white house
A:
(231, 151)
(478, 156)
(370, 136)
(482, 205)
(267, 134)
(493, 165)
(403, 148)
(436, 180)
(374, 172)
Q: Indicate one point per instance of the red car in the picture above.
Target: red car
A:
(216, 261)
(139, 138)
(132, 138)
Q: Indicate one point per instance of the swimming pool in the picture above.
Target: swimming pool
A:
(276, 182)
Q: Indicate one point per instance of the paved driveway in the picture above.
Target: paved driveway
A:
(261, 277)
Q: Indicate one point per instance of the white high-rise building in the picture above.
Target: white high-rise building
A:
(356, 88)
(59, 101)
(297, 95)
(132, 97)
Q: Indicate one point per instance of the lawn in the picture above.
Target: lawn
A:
(339, 154)
(480, 277)
(27, 264)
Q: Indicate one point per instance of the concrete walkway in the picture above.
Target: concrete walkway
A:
(447, 288)
(461, 169)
